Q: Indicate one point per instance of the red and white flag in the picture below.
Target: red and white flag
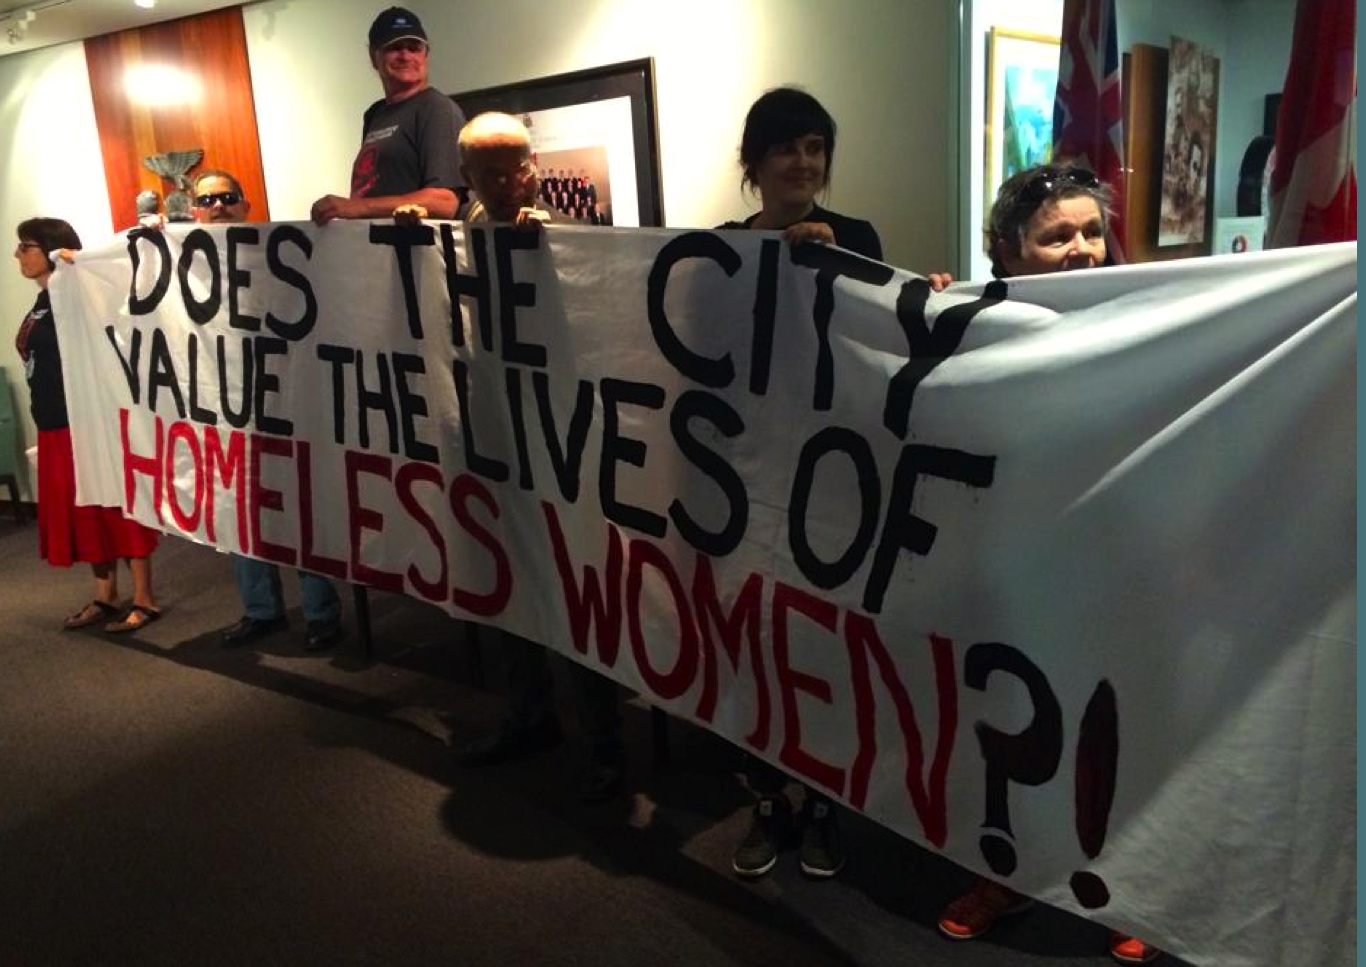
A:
(1088, 113)
(1313, 180)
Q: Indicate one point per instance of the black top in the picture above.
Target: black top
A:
(37, 345)
(852, 233)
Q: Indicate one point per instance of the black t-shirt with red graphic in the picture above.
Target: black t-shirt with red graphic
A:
(408, 146)
(37, 345)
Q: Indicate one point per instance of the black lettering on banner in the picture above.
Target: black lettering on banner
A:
(928, 348)
(381, 399)
(129, 364)
(512, 294)
(476, 286)
(831, 264)
(765, 316)
(696, 404)
(715, 373)
(268, 383)
(1029, 757)
(402, 238)
(197, 413)
(411, 405)
(623, 449)
(292, 277)
(340, 357)
(200, 242)
(834, 439)
(566, 459)
(239, 279)
(486, 467)
(903, 530)
(247, 367)
(142, 305)
(516, 412)
(162, 373)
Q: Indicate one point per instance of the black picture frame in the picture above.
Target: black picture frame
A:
(634, 79)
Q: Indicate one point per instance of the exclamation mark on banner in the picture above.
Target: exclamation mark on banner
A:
(1097, 766)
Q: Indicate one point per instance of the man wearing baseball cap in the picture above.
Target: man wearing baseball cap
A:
(408, 153)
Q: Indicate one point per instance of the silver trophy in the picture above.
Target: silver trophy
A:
(172, 166)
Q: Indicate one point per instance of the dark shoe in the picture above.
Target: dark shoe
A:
(93, 613)
(769, 829)
(249, 629)
(1131, 950)
(978, 910)
(822, 852)
(322, 635)
(134, 619)
(603, 778)
(510, 742)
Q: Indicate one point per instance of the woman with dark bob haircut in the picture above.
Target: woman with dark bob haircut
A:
(786, 152)
(98, 536)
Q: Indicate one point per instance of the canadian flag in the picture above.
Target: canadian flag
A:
(1313, 178)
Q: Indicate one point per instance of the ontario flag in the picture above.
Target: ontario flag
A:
(1088, 115)
(1313, 183)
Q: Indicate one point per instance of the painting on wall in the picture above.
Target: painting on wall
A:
(594, 137)
(1022, 80)
(1188, 144)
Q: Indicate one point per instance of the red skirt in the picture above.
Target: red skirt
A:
(67, 533)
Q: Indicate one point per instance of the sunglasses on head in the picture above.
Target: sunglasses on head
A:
(227, 198)
(1050, 179)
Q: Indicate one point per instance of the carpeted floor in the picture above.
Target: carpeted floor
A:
(166, 801)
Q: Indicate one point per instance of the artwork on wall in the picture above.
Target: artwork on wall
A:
(594, 136)
(1188, 143)
(1022, 80)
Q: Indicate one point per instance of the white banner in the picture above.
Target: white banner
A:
(1057, 578)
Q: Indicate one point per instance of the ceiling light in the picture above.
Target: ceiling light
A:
(145, 4)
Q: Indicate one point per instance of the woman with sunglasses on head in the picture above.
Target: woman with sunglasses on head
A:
(67, 533)
(786, 151)
(1049, 218)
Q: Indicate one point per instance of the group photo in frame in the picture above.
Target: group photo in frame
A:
(1188, 144)
(1022, 82)
(594, 139)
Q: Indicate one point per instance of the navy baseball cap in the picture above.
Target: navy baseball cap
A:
(394, 24)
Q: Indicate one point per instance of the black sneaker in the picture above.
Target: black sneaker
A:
(821, 853)
(768, 830)
(510, 742)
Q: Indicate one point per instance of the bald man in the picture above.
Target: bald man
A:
(496, 162)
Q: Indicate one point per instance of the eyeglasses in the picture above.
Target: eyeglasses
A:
(226, 198)
(25, 246)
(498, 175)
(1050, 179)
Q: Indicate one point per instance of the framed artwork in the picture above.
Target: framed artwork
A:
(594, 138)
(1022, 81)
(1188, 144)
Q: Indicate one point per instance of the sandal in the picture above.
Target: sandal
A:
(92, 613)
(134, 618)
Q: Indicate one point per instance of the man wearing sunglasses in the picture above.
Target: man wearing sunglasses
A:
(219, 200)
(408, 156)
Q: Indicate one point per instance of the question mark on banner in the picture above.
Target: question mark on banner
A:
(1097, 767)
(1030, 757)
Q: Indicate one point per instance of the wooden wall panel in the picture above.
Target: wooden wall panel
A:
(212, 108)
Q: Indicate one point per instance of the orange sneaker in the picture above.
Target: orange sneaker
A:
(973, 913)
(1131, 950)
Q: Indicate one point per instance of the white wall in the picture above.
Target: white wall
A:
(882, 67)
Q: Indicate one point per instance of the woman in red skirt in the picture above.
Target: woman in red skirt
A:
(98, 536)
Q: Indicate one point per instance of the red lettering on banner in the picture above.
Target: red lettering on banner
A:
(232, 471)
(589, 607)
(465, 488)
(263, 498)
(134, 464)
(927, 793)
(742, 624)
(308, 559)
(786, 599)
(408, 475)
(673, 683)
(364, 519)
(184, 433)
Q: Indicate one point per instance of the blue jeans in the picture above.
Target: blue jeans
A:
(258, 582)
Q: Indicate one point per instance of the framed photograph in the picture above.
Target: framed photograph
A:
(1022, 81)
(594, 137)
(1188, 144)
